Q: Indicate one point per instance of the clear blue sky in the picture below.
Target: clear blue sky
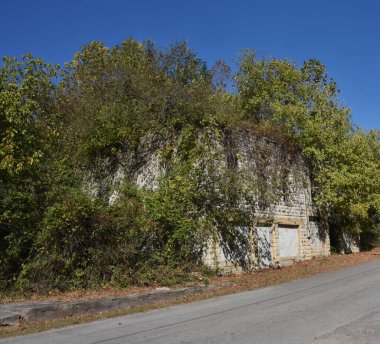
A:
(344, 35)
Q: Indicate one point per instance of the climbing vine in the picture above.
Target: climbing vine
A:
(224, 159)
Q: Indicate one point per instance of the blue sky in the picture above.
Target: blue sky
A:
(344, 35)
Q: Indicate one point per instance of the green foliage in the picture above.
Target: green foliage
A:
(201, 198)
(27, 137)
(112, 97)
(344, 160)
(107, 105)
(25, 105)
(20, 214)
(84, 243)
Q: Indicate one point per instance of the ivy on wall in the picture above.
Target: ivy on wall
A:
(114, 106)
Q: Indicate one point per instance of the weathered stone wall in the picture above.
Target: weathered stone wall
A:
(294, 226)
(142, 166)
(277, 172)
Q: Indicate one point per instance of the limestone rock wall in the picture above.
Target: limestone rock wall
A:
(287, 228)
(295, 232)
(142, 166)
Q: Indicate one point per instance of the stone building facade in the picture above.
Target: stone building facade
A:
(295, 234)
(285, 231)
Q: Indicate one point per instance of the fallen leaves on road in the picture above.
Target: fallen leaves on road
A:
(226, 284)
(301, 269)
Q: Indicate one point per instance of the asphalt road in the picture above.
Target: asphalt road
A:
(337, 307)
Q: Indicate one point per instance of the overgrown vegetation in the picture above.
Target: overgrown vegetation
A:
(57, 122)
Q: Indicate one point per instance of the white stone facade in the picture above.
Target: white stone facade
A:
(284, 231)
(294, 231)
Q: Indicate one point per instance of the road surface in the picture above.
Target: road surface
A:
(337, 307)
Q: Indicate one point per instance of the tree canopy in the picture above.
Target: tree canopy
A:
(304, 102)
(56, 121)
